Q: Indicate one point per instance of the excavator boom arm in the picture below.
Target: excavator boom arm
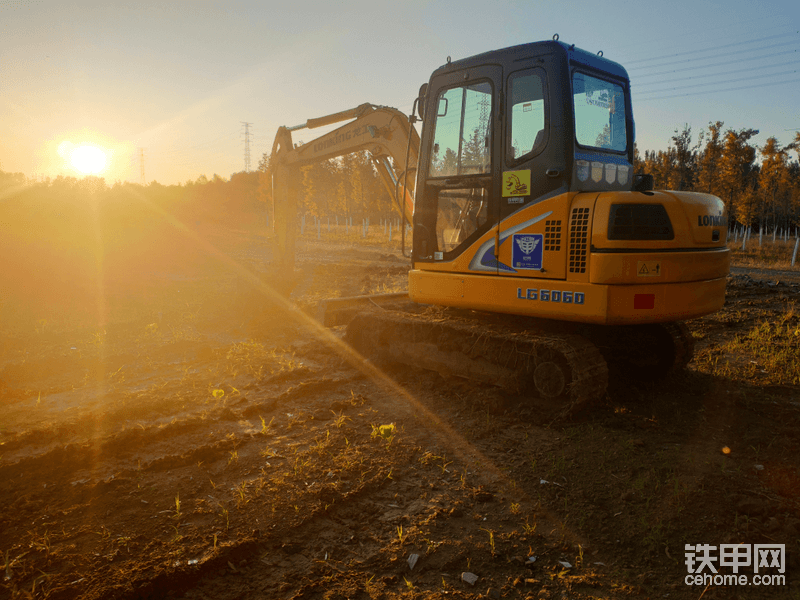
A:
(382, 131)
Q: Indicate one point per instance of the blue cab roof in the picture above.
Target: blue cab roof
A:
(575, 56)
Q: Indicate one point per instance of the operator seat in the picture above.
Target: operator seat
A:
(538, 140)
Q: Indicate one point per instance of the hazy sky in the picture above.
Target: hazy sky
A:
(178, 78)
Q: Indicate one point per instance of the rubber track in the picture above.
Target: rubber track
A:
(481, 348)
(646, 352)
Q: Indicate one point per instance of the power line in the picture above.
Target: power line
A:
(696, 85)
(702, 58)
(769, 37)
(246, 146)
(749, 22)
(709, 92)
(720, 64)
(718, 74)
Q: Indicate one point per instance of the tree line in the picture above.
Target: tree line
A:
(759, 185)
(214, 198)
(348, 186)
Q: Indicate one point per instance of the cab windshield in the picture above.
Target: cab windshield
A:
(599, 113)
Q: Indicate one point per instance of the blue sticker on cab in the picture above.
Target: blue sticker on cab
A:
(526, 252)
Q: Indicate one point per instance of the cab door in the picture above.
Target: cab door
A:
(457, 193)
(533, 210)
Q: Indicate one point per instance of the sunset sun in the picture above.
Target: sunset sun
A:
(87, 159)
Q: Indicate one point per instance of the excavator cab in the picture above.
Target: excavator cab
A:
(507, 129)
(526, 201)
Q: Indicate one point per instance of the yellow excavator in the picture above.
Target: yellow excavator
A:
(539, 260)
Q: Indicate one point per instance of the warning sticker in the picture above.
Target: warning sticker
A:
(516, 183)
(648, 268)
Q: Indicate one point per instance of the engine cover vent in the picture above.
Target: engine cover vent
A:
(552, 235)
(578, 237)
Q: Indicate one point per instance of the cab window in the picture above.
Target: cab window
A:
(526, 124)
(599, 113)
(461, 212)
(462, 135)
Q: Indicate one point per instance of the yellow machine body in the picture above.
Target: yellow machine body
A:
(582, 275)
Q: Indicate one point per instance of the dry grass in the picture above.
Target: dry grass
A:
(768, 352)
(767, 255)
(376, 235)
(775, 345)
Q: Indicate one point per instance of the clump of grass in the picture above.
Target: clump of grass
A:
(265, 427)
(183, 333)
(258, 360)
(385, 432)
(241, 490)
(339, 419)
(223, 512)
(491, 540)
(528, 528)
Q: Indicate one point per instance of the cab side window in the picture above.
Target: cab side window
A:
(599, 113)
(526, 132)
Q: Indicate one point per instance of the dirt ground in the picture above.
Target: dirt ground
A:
(186, 437)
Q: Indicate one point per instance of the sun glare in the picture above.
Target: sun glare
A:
(87, 159)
